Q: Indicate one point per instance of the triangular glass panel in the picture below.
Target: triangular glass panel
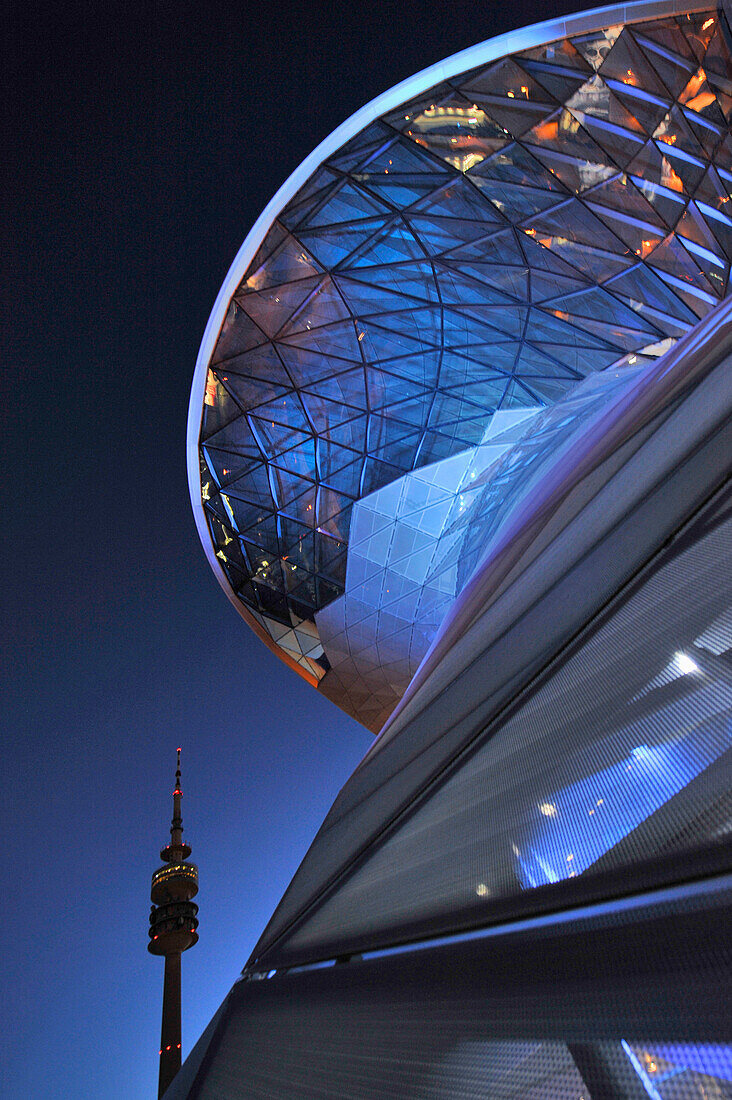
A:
(334, 244)
(401, 454)
(272, 307)
(668, 204)
(301, 458)
(262, 362)
(338, 341)
(718, 57)
(620, 145)
(561, 53)
(402, 117)
(276, 234)
(673, 130)
(254, 487)
(672, 257)
(274, 438)
(547, 390)
(559, 81)
(362, 147)
(693, 227)
(385, 389)
(458, 200)
(516, 116)
(379, 344)
(516, 165)
(439, 235)
(228, 466)
(366, 298)
(720, 226)
(424, 367)
(325, 414)
(708, 134)
(584, 360)
(346, 204)
(627, 64)
(547, 328)
(376, 474)
(301, 554)
(562, 133)
(600, 306)
(238, 334)
(309, 368)
(517, 202)
(574, 222)
(393, 244)
(478, 362)
(263, 531)
(485, 394)
(333, 457)
(666, 34)
(321, 182)
(535, 363)
(250, 392)
(621, 194)
(619, 336)
(413, 279)
(511, 280)
(401, 158)
(457, 289)
(219, 407)
(543, 287)
(499, 248)
(465, 330)
(286, 410)
(713, 192)
(323, 307)
(697, 96)
(673, 69)
(596, 45)
(236, 436)
(504, 78)
(648, 110)
(517, 396)
(458, 131)
(295, 495)
(641, 237)
(288, 263)
(594, 100)
(346, 480)
(347, 387)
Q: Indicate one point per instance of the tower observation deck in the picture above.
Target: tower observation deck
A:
(173, 924)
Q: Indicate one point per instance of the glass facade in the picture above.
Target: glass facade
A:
(475, 254)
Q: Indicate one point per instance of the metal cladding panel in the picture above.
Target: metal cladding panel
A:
(678, 459)
(606, 1006)
(476, 243)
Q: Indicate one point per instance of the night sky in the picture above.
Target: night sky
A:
(143, 144)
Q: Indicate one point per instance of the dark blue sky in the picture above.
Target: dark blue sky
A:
(143, 144)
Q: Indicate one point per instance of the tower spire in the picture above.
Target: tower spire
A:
(173, 924)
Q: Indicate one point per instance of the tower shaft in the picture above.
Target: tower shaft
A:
(170, 1032)
(173, 924)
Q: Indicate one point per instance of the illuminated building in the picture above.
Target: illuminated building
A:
(173, 924)
(458, 453)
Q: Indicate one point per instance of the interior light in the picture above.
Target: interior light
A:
(685, 664)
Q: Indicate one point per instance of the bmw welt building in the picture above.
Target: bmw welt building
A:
(459, 449)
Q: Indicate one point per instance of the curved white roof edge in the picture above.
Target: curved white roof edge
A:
(481, 54)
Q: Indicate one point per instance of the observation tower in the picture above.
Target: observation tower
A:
(173, 924)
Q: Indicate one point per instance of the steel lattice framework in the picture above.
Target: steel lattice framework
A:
(481, 249)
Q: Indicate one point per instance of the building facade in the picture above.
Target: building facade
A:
(458, 452)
